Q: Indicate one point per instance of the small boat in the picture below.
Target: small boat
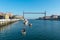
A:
(25, 22)
(23, 32)
(30, 24)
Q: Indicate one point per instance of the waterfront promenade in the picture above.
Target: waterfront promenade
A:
(4, 22)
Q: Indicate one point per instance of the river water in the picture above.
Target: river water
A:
(40, 30)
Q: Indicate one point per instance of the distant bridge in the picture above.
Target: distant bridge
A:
(35, 13)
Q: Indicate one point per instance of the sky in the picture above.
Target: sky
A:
(52, 7)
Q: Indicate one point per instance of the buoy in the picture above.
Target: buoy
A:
(30, 24)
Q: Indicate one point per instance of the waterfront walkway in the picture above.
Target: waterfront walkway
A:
(7, 21)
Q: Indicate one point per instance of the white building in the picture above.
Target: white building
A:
(54, 16)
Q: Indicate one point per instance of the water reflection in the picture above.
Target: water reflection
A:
(2, 28)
